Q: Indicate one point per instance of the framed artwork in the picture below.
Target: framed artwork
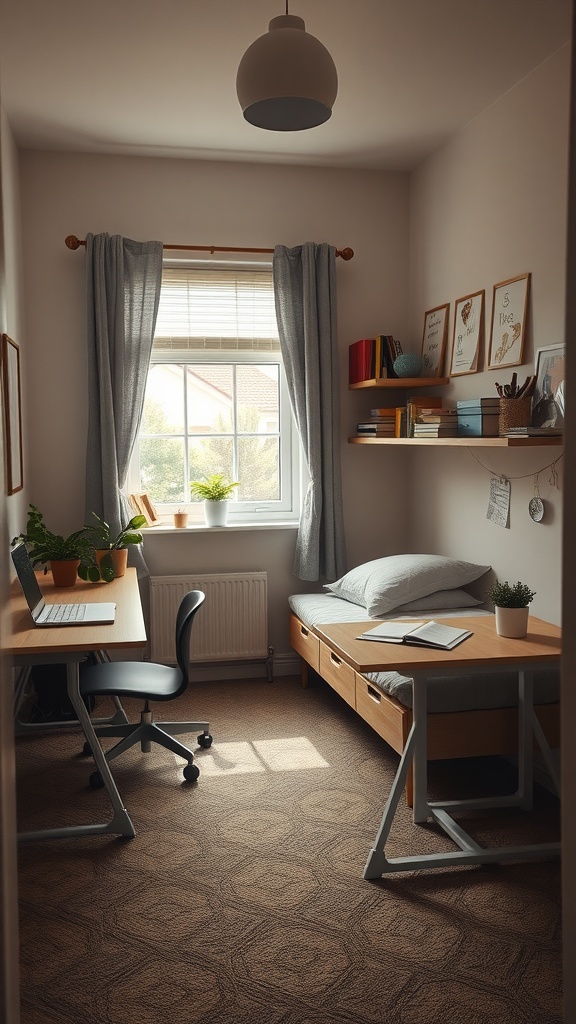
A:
(468, 330)
(434, 341)
(509, 312)
(548, 398)
(143, 506)
(12, 415)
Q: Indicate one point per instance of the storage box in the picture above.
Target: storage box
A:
(478, 417)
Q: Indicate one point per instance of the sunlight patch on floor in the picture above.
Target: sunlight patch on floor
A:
(295, 753)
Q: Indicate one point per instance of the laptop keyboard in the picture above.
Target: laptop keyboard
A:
(66, 613)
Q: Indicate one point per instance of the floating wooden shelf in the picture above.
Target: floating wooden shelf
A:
(401, 382)
(464, 442)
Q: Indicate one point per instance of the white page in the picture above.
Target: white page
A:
(393, 631)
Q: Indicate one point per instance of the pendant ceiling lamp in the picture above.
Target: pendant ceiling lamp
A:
(287, 80)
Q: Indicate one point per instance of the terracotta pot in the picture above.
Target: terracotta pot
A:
(180, 520)
(216, 513)
(65, 573)
(119, 559)
(511, 622)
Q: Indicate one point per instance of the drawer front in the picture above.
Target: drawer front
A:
(305, 642)
(338, 674)
(387, 717)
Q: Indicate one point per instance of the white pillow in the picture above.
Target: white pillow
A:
(387, 583)
(441, 599)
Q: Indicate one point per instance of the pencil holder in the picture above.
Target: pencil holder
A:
(514, 412)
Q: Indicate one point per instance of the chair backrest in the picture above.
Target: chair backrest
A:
(189, 605)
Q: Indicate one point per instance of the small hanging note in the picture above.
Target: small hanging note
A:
(499, 503)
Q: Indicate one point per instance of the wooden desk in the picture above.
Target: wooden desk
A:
(28, 644)
(485, 651)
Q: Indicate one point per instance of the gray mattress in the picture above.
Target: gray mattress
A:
(471, 692)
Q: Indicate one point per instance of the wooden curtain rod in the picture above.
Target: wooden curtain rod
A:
(74, 243)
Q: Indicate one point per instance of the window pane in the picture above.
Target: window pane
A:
(258, 469)
(162, 468)
(210, 455)
(210, 405)
(258, 401)
(164, 402)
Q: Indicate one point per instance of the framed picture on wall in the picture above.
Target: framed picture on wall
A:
(434, 340)
(548, 399)
(468, 332)
(509, 313)
(12, 414)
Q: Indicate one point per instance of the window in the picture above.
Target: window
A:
(216, 398)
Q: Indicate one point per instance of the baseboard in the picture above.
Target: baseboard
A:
(283, 665)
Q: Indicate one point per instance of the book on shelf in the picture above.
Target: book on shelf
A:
(533, 432)
(437, 416)
(413, 407)
(377, 414)
(420, 634)
(400, 425)
(360, 360)
(434, 430)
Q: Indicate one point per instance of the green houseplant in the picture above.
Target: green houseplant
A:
(511, 603)
(66, 556)
(214, 491)
(111, 550)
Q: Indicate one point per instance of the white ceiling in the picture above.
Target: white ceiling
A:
(157, 77)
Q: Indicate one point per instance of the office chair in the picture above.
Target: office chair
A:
(149, 681)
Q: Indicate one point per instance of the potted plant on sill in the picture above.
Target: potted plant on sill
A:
(111, 552)
(68, 557)
(511, 603)
(214, 491)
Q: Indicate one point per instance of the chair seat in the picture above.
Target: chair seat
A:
(143, 679)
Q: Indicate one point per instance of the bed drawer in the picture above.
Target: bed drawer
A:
(305, 642)
(338, 674)
(386, 715)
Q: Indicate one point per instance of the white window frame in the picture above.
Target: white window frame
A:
(292, 465)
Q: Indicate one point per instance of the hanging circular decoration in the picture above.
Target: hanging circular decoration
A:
(536, 505)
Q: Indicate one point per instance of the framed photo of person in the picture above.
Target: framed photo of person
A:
(468, 331)
(509, 313)
(434, 341)
(10, 357)
(548, 398)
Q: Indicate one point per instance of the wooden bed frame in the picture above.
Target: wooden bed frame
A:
(450, 734)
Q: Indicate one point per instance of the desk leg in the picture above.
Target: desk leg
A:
(120, 823)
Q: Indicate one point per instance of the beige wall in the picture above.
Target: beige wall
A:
(489, 205)
(181, 201)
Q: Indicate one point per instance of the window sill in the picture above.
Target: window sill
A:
(165, 528)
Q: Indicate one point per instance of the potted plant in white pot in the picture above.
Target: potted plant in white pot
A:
(511, 605)
(214, 491)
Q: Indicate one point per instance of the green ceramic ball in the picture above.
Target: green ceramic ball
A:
(408, 365)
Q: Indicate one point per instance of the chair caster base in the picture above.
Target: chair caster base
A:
(204, 740)
(96, 781)
(86, 750)
(191, 772)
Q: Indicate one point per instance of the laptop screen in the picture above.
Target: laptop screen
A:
(27, 577)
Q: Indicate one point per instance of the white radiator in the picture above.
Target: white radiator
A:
(232, 624)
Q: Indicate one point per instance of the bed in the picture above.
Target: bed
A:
(472, 715)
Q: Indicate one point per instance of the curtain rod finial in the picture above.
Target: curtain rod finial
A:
(72, 242)
(346, 254)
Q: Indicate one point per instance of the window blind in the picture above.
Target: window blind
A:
(216, 310)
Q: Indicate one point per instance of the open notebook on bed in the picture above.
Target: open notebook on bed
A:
(55, 614)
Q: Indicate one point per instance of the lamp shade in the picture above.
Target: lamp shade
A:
(287, 80)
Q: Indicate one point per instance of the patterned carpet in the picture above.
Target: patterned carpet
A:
(241, 899)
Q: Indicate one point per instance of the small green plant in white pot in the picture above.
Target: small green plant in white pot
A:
(511, 605)
(214, 491)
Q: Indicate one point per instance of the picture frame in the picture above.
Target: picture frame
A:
(467, 334)
(434, 337)
(11, 391)
(509, 315)
(548, 398)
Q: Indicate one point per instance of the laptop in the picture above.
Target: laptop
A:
(55, 614)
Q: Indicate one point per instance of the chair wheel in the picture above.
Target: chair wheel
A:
(96, 781)
(191, 772)
(205, 739)
(86, 750)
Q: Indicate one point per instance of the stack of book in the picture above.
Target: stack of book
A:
(436, 422)
(415, 406)
(381, 424)
(533, 432)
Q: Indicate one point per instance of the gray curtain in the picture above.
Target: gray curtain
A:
(305, 294)
(123, 291)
